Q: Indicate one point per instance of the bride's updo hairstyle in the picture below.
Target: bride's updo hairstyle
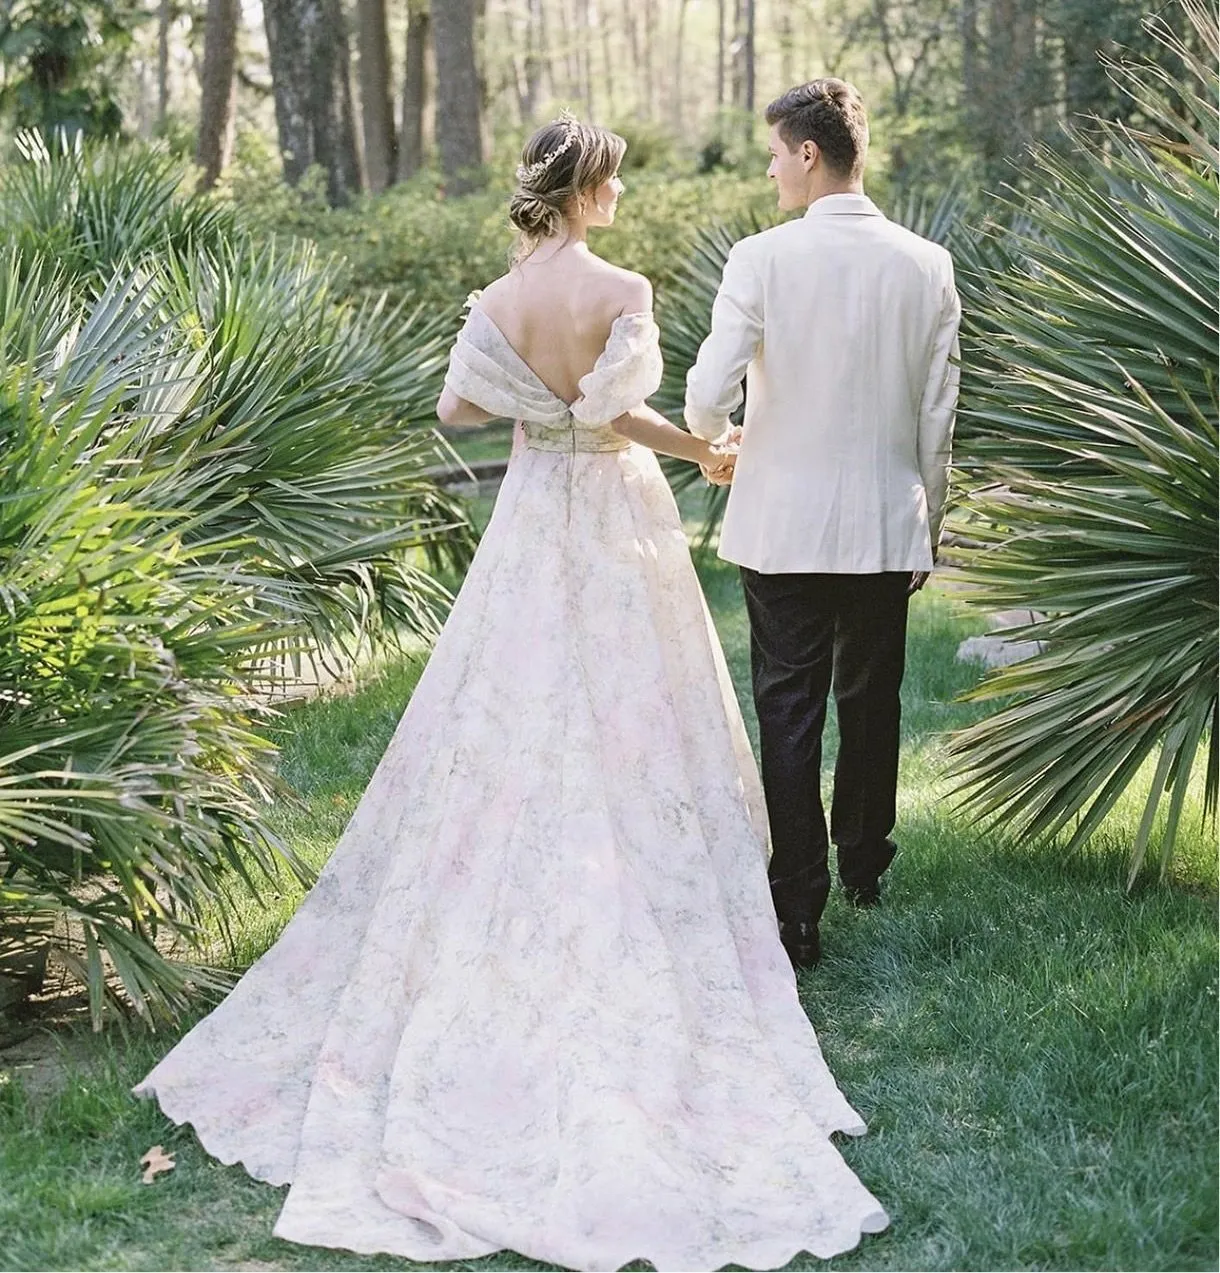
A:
(563, 161)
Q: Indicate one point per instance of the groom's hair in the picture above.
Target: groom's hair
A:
(830, 113)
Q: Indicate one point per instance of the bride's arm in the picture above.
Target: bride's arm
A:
(651, 429)
(457, 413)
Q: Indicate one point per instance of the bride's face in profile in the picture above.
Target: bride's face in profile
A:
(604, 203)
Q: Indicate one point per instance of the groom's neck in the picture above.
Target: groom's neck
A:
(821, 188)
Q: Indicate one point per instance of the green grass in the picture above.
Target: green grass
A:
(1034, 1049)
(488, 442)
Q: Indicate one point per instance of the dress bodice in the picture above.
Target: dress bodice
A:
(486, 370)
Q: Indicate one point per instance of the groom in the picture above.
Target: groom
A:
(845, 327)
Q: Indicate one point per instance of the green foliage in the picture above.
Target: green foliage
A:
(95, 207)
(130, 774)
(411, 241)
(649, 146)
(1089, 436)
(58, 55)
(212, 463)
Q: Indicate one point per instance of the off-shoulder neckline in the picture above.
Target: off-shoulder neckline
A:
(508, 345)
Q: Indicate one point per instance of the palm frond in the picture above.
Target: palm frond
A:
(1087, 450)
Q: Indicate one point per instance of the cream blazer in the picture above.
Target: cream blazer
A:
(845, 326)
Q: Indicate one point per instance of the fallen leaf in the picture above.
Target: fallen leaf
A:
(154, 1162)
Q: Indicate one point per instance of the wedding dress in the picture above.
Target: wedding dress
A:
(537, 1000)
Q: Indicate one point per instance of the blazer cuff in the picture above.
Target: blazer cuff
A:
(712, 426)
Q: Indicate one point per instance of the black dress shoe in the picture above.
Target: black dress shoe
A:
(802, 942)
(862, 896)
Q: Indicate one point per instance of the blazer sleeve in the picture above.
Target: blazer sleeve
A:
(938, 409)
(713, 384)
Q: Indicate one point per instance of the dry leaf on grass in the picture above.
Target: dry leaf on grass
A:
(154, 1163)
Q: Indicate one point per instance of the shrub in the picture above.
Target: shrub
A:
(210, 459)
(131, 776)
(1088, 436)
(412, 241)
(303, 426)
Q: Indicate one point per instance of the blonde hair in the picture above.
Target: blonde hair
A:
(561, 161)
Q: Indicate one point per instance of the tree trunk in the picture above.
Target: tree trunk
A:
(287, 48)
(311, 77)
(459, 133)
(567, 47)
(784, 36)
(163, 20)
(720, 54)
(678, 104)
(414, 91)
(515, 74)
(480, 61)
(584, 56)
(376, 97)
(218, 96)
(970, 51)
(342, 161)
(608, 80)
(1085, 84)
(535, 59)
(1031, 81)
(737, 49)
(650, 37)
(749, 55)
(968, 34)
(998, 101)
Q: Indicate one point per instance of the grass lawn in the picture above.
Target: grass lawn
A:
(1035, 1051)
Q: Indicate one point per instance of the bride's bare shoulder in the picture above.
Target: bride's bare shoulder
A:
(493, 290)
(626, 291)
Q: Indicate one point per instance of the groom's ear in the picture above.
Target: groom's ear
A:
(810, 154)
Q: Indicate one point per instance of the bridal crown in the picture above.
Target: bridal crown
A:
(528, 175)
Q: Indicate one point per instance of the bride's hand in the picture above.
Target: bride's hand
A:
(719, 470)
(721, 459)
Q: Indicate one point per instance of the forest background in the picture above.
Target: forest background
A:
(374, 91)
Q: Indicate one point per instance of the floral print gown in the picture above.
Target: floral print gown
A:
(537, 999)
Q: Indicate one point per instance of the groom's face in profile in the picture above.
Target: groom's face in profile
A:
(790, 170)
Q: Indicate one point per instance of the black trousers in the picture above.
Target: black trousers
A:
(807, 633)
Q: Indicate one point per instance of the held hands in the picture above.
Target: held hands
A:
(719, 471)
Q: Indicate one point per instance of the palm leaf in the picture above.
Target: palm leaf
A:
(1087, 450)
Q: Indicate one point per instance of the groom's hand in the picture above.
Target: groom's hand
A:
(918, 579)
(721, 474)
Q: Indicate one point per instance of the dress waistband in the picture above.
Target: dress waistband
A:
(546, 437)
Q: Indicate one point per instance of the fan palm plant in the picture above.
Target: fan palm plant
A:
(210, 460)
(132, 777)
(311, 429)
(1088, 441)
(95, 206)
(312, 423)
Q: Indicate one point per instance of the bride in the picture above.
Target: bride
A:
(537, 1000)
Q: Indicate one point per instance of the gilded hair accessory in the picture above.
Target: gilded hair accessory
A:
(528, 175)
